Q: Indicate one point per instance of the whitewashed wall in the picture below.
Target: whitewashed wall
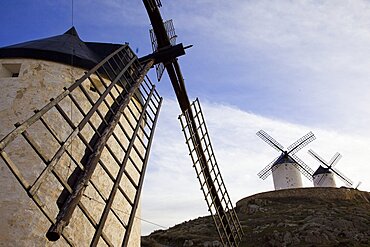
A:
(286, 176)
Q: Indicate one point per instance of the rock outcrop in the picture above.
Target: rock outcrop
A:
(293, 217)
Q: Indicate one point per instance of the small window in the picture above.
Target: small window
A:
(10, 70)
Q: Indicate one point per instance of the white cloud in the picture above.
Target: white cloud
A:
(281, 57)
(290, 61)
(171, 192)
(274, 58)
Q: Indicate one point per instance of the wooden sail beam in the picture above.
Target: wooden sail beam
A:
(70, 204)
(25, 125)
(94, 114)
(173, 69)
(120, 174)
(141, 180)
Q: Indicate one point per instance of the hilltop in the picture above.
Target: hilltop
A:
(292, 217)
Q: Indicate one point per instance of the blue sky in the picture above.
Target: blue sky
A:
(284, 66)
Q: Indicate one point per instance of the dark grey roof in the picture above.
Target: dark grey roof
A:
(284, 158)
(62, 48)
(321, 170)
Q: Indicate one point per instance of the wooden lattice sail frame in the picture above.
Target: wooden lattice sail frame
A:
(163, 36)
(115, 90)
(102, 127)
(209, 176)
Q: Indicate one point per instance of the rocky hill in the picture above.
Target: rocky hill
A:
(294, 217)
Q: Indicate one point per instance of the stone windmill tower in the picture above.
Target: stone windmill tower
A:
(52, 155)
(76, 126)
(286, 169)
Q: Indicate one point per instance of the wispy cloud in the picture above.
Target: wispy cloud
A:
(171, 192)
(283, 66)
(282, 57)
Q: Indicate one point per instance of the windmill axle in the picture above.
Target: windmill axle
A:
(165, 54)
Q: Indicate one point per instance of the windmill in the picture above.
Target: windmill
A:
(286, 167)
(87, 150)
(358, 184)
(195, 131)
(324, 175)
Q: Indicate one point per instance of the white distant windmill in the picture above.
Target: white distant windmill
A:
(324, 176)
(286, 168)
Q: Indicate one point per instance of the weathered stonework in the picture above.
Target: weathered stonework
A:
(23, 224)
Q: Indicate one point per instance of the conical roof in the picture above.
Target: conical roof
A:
(66, 48)
(321, 170)
(284, 158)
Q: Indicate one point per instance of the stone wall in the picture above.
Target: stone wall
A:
(311, 193)
(23, 224)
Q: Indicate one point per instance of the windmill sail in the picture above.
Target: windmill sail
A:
(301, 143)
(170, 30)
(163, 41)
(269, 140)
(91, 144)
(154, 4)
(288, 154)
(303, 167)
(97, 131)
(335, 159)
(317, 157)
(345, 179)
(209, 176)
(268, 169)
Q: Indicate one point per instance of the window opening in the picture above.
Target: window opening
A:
(10, 70)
